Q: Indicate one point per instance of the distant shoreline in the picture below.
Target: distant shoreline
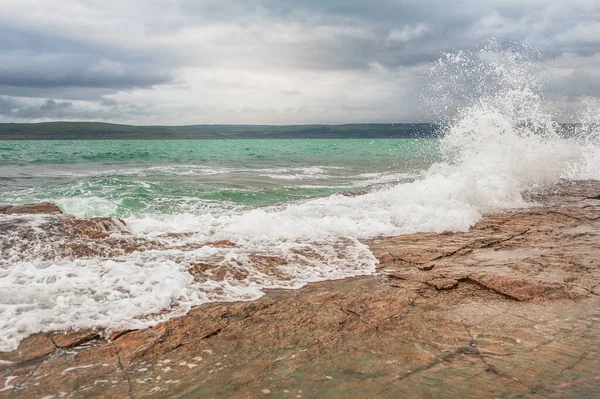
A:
(109, 131)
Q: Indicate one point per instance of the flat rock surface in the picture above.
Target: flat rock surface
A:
(508, 309)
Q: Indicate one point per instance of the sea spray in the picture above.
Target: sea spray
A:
(498, 140)
(498, 133)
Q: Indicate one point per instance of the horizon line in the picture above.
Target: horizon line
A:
(229, 124)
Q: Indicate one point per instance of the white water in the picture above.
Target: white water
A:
(499, 143)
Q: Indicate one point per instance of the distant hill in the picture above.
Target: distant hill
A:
(109, 131)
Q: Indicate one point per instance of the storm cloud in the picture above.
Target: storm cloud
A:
(268, 61)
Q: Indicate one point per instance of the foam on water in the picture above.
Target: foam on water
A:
(47, 296)
(131, 291)
(499, 143)
(88, 206)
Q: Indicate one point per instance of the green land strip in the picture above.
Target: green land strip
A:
(109, 131)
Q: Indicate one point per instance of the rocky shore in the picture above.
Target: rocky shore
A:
(508, 309)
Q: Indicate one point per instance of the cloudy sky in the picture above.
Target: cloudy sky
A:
(267, 61)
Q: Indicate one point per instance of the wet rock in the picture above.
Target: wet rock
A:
(520, 289)
(69, 339)
(443, 283)
(54, 236)
(33, 347)
(100, 227)
(44, 207)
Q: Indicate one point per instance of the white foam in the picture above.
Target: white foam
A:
(177, 169)
(46, 296)
(299, 173)
(88, 206)
(127, 292)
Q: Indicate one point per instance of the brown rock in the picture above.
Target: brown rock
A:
(94, 227)
(32, 348)
(443, 283)
(66, 340)
(520, 289)
(44, 207)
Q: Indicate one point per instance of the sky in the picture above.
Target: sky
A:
(179, 62)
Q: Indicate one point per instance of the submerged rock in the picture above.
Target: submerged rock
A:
(511, 309)
(54, 235)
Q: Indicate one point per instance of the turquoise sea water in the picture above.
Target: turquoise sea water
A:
(125, 178)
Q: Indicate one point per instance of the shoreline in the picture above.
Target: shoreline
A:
(509, 308)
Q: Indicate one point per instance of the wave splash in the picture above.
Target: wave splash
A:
(501, 140)
(498, 141)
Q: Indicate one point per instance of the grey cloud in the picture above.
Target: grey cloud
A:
(40, 61)
(12, 109)
(583, 83)
(49, 108)
(7, 106)
(92, 51)
(70, 93)
(578, 84)
(46, 63)
(457, 24)
(108, 102)
(65, 76)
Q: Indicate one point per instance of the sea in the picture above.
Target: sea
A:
(136, 178)
(304, 205)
